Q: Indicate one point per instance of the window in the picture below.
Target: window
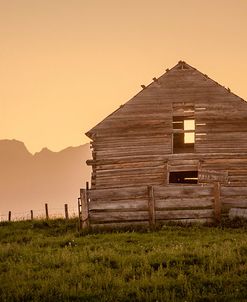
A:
(183, 134)
(183, 177)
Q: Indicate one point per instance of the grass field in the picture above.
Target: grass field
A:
(51, 261)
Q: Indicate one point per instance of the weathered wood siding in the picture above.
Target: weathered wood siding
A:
(133, 146)
(233, 197)
(133, 205)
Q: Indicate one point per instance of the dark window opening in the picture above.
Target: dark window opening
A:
(183, 134)
(184, 177)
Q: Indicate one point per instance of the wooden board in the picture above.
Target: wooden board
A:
(184, 214)
(187, 191)
(96, 217)
(182, 203)
(119, 205)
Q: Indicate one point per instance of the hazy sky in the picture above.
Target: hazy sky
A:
(66, 64)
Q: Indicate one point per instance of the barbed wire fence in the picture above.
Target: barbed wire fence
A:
(66, 212)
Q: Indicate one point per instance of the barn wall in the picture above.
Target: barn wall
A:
(134, 144)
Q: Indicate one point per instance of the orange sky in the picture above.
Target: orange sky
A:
(66, 64)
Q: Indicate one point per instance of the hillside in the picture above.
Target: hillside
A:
(28, 181)
(50, 261)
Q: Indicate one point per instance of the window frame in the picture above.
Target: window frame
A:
(181, 112)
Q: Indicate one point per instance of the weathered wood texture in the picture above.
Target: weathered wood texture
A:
(151, 204)
(83, 202)
(233, 197)
(132, 151)
(134, 145)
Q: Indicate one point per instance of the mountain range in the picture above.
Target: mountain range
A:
(29, 181)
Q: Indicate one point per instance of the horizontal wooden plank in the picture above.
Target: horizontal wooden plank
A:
(228, 161)
(97, 217)
(189, 221)
(237, 171)
(236, 201)
(220, 144)
(233, 191)
(182, 168)
(118, 194)
(228, 136)
(143, 112)
(123, 147)
(205, 157)
(120, 182)
(152, 153)
(199, 149)
(142, 182)
(182, 190)
(131, 139)
(133, 132)
(106, 225)
(134, 141)
(126, 159)
(135, 150)
(115, 205)
(147, 164)
(242, 178)
(136, 176)
(131, 171)
(184, 214)
(181, 162)
(134, 123)
(183, 202)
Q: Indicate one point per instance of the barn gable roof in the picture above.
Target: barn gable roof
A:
(182, 77)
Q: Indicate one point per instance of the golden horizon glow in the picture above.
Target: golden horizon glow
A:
(66, 65)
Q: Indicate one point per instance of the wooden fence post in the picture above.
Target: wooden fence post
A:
(46, 211)
(31, 212)
(217, 202)
(151, 207)
(79, 213)
(84, 223)
(9, 215)
(66, 211)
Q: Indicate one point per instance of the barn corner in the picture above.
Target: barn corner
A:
(177, 151)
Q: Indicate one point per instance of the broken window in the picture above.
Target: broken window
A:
(184, 177)
(183, 134)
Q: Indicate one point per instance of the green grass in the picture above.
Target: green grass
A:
(52, 261)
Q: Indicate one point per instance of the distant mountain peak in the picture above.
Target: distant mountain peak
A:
(27, 181)
(43, 151)
(12, 147)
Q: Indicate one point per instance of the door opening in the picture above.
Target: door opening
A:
(184, 177)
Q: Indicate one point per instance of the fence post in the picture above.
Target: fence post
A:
(31, 212)
(151, 207)
(9, 215)
(217, 202)
(83, 209)
(79, 213)
(66, 211)
(46, 211)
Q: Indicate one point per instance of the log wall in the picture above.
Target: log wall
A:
(134, 145)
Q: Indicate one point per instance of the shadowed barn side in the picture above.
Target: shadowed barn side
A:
(175, 151)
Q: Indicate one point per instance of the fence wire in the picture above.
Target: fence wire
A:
(54, 212)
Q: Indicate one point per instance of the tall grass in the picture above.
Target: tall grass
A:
(52, 261)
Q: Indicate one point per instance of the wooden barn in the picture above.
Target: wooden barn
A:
(176, 151)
